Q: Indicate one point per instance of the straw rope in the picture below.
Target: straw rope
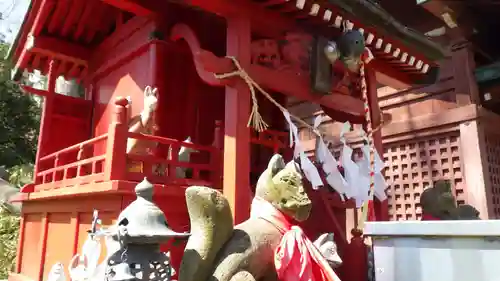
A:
(255, 120)
(368, 119)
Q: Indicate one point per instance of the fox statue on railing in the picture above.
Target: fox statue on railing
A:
(265, 247)
(145, 123)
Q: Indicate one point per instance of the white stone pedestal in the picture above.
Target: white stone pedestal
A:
(436, 250)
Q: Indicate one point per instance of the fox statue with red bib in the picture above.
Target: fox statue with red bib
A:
(267, 246)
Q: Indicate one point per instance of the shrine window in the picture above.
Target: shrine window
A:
(64, 87)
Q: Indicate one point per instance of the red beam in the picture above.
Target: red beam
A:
(36, 26)
(34, 91)
(283, 81)
(263, 21)
(392, 82)
(121, 34)
(58, 16)
(26, 28)
(84, 20)
(140, 8)
(60, 49)
(22, 61)
(42, 16)
(124, 44)
(72, 18)
(290, 84)
(388, 72)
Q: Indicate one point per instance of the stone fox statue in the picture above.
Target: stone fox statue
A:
(217, 251)
(439, 203)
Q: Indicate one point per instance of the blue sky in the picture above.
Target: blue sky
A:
(12, 16)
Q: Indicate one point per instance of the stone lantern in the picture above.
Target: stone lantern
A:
(141, 228)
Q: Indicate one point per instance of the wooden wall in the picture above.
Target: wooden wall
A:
(54, 230)
(49, 224)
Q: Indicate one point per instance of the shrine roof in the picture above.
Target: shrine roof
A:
(399, 47)
(65, 29)
(62, 30)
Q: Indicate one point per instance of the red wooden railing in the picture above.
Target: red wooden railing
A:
(71, 166)
(161, 169)
(77, 164)
(276, 140)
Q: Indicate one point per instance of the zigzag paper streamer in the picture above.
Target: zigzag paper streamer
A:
(306, 165)
(329, 164)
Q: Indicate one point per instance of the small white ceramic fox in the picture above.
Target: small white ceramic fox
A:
(328, 248)
(56, 273)
(183, 156)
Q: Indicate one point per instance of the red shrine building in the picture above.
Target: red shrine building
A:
(115, 48)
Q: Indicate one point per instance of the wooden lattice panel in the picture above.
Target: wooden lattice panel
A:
(412, 166)
(493, 157)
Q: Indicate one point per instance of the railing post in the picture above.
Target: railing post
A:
(355, 265)
(216, 158)
(174, 161)
(116, 148)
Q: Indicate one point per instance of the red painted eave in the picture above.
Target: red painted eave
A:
(20, 40)
(52, 30)
(394, 58)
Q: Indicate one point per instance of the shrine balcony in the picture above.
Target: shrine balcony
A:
(102, 165)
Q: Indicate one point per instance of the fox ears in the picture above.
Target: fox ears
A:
(149, 91)
(277, 164)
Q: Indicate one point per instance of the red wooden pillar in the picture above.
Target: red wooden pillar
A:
(46, 117)
(236, 134)
(115, 165)
(157, 70)
(381, 208)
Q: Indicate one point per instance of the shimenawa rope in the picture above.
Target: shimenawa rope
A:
(255, 120)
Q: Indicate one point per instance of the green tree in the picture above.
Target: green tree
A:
(21, 175)
(19, 123)
(9, 231)
(19, 119)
